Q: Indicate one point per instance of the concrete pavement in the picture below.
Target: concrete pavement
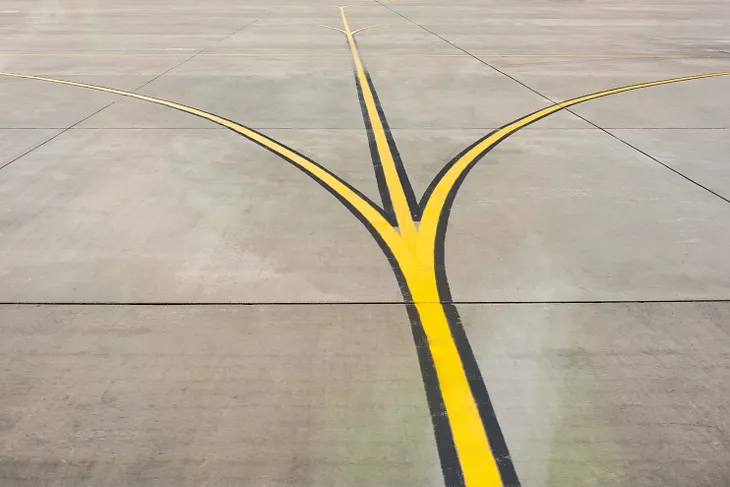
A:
(180, 306)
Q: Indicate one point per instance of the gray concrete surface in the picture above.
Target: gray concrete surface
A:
(609, 394)
(309, 375)
(248, 395)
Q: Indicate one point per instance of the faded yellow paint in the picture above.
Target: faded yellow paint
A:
(361, 205)
(417, 264)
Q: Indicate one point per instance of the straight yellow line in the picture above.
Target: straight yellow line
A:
(406, 225)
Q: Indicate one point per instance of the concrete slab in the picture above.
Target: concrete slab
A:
(187, 396)
(391, 35)
(549, 27)
(36, 104)
(82, 64)
(261, 93)
(697, 154)
(16, 142)
(182, 216)
(609, 394)
(682, 105)
(461, 93)
(584, 37)
(577, 215)
(140, 204)
(115, 43)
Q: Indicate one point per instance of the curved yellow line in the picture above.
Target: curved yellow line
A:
(364, 208)
(477, 461)
(416, 261)
(332, 28)
(436, 201)
(364, 28)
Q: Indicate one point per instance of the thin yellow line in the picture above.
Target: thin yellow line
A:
(435, 204)
(477, 461)
(332, 28)
(363, 207)
(365, 28)
(475, 456)
(406, 225)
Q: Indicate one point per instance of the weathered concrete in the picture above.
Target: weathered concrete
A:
(245, 395)
(121, 201)
(609, 394)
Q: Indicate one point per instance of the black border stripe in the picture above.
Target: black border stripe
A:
(290, 161)
(448, 456)
(444, 439)
(413, 205)
(436, 180)
(375, 156)
(478, 388)
(571, 102)
(405, 182)
(493, 431)
(157, 101)
(440, 175)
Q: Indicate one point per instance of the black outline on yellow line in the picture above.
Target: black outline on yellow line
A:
(399, 200)
(471, 446)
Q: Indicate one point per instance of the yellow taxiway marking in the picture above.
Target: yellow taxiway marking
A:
(373, 54)
(475, 456)
(434, 205)
(362, 206)
(406, 224)
(361, 29)
(413, 249)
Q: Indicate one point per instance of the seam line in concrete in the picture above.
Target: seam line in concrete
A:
(350, 303)
(63, 131)
(354, 129)
(723, 198)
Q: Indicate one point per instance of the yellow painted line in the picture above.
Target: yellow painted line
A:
(414, 253)
(476, 459)
(435, 204)
(332, 28)
(475, 456)
(363, 207)
(365, 28)
(406, 225)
